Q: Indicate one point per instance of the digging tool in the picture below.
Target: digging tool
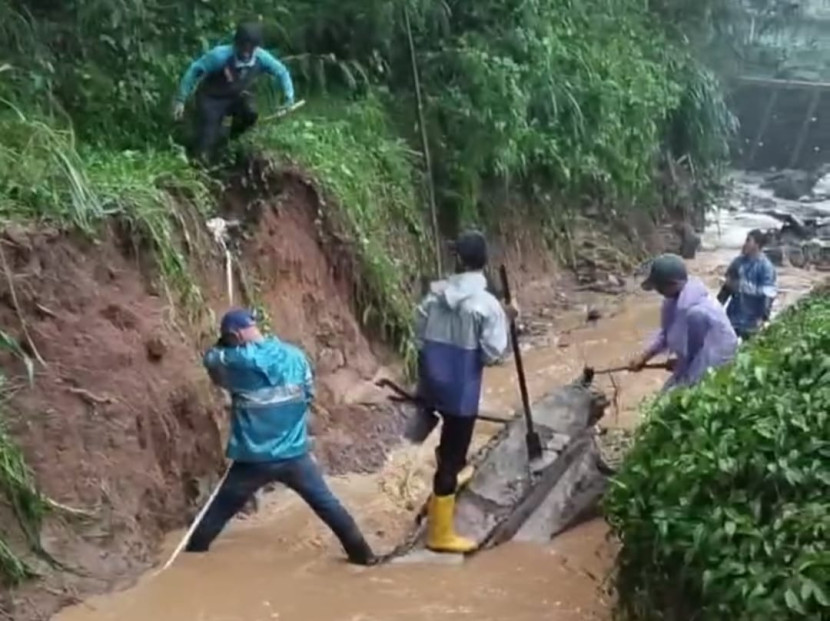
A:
(196, 522)
(219, 228)
(283, 111)
(424, 420)
(532, 440)
(588, 372)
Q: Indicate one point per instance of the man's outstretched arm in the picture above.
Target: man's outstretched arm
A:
(279, 72)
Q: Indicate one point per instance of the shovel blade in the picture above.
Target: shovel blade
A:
(534, 446)
(420, 425)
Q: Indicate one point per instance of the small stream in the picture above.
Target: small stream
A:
(282, 564)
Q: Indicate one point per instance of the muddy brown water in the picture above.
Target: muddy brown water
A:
(283, 564)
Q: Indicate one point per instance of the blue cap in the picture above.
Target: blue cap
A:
(236, 320)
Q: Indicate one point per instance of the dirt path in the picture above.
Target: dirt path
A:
(282, 564)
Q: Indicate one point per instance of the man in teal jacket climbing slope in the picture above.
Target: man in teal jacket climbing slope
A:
(224, 77)
(271, 388)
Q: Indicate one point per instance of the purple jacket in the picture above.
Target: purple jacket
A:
(695, 329)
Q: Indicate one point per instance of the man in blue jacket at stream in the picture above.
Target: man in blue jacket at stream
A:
(224, 77)
(750, 287)
(271, 388)
(460, 328)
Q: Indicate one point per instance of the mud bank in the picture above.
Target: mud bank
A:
(121, 422)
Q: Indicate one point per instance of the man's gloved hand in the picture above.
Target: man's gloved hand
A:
(511, 310)
(178, 111)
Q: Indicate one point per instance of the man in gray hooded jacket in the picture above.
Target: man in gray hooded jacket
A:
(460, 327)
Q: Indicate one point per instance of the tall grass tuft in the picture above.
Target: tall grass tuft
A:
(17, 485)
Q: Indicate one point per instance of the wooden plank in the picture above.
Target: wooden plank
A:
(782, 83)
(805, 127)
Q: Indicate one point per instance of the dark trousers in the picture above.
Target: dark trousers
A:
(300, 474)
(456, 435)
(211, 112)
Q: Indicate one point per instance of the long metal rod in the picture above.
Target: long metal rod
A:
(196, 522)
(534, 443)
(424, 145)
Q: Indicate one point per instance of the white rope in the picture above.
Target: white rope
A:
(196, 521)
(219, 228)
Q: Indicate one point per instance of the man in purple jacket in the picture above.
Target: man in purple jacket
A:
(694, 328)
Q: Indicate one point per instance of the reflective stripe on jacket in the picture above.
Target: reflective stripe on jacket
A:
(271, 386)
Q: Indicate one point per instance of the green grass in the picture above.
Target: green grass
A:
(17, 485)
(370, 175)
(47, 177)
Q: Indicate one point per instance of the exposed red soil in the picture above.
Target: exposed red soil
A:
(122, 420)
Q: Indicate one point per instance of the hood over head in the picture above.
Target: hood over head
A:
(459, 287)
(693, 293)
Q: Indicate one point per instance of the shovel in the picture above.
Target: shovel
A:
(532, 440)
(589, 372)
(283, 111)
(424, 420)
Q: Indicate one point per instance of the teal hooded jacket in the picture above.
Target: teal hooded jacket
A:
(271, 386)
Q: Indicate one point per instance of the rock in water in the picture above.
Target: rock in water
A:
(689, 241)
(507, 494)
(791, 184)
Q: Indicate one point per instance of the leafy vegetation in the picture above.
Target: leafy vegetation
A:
(723, 505)
(17, 485)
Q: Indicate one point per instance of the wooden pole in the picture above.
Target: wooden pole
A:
(424, 145)
(762, 127)
(795, 156)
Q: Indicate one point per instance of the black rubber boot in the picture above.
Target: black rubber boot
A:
(359, 553)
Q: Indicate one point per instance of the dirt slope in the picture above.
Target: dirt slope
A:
(121, 420)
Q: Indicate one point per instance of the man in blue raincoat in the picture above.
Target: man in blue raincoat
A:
(460, 327)
(224, 76)
(750, 287)
(271, 388)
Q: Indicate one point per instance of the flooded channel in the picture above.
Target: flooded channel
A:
(282, 564)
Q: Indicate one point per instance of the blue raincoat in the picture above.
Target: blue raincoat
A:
(460, 327)
(271, 386)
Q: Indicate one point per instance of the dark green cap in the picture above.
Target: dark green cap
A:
(665, 270)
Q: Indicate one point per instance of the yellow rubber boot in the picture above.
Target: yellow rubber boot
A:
(441, 535)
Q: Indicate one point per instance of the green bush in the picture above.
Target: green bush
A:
(722, 507)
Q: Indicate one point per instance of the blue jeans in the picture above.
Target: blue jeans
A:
(300, 474)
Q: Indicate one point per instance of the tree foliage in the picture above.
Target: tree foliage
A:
(578, 95)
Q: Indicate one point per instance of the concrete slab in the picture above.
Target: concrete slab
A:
(504, 492)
